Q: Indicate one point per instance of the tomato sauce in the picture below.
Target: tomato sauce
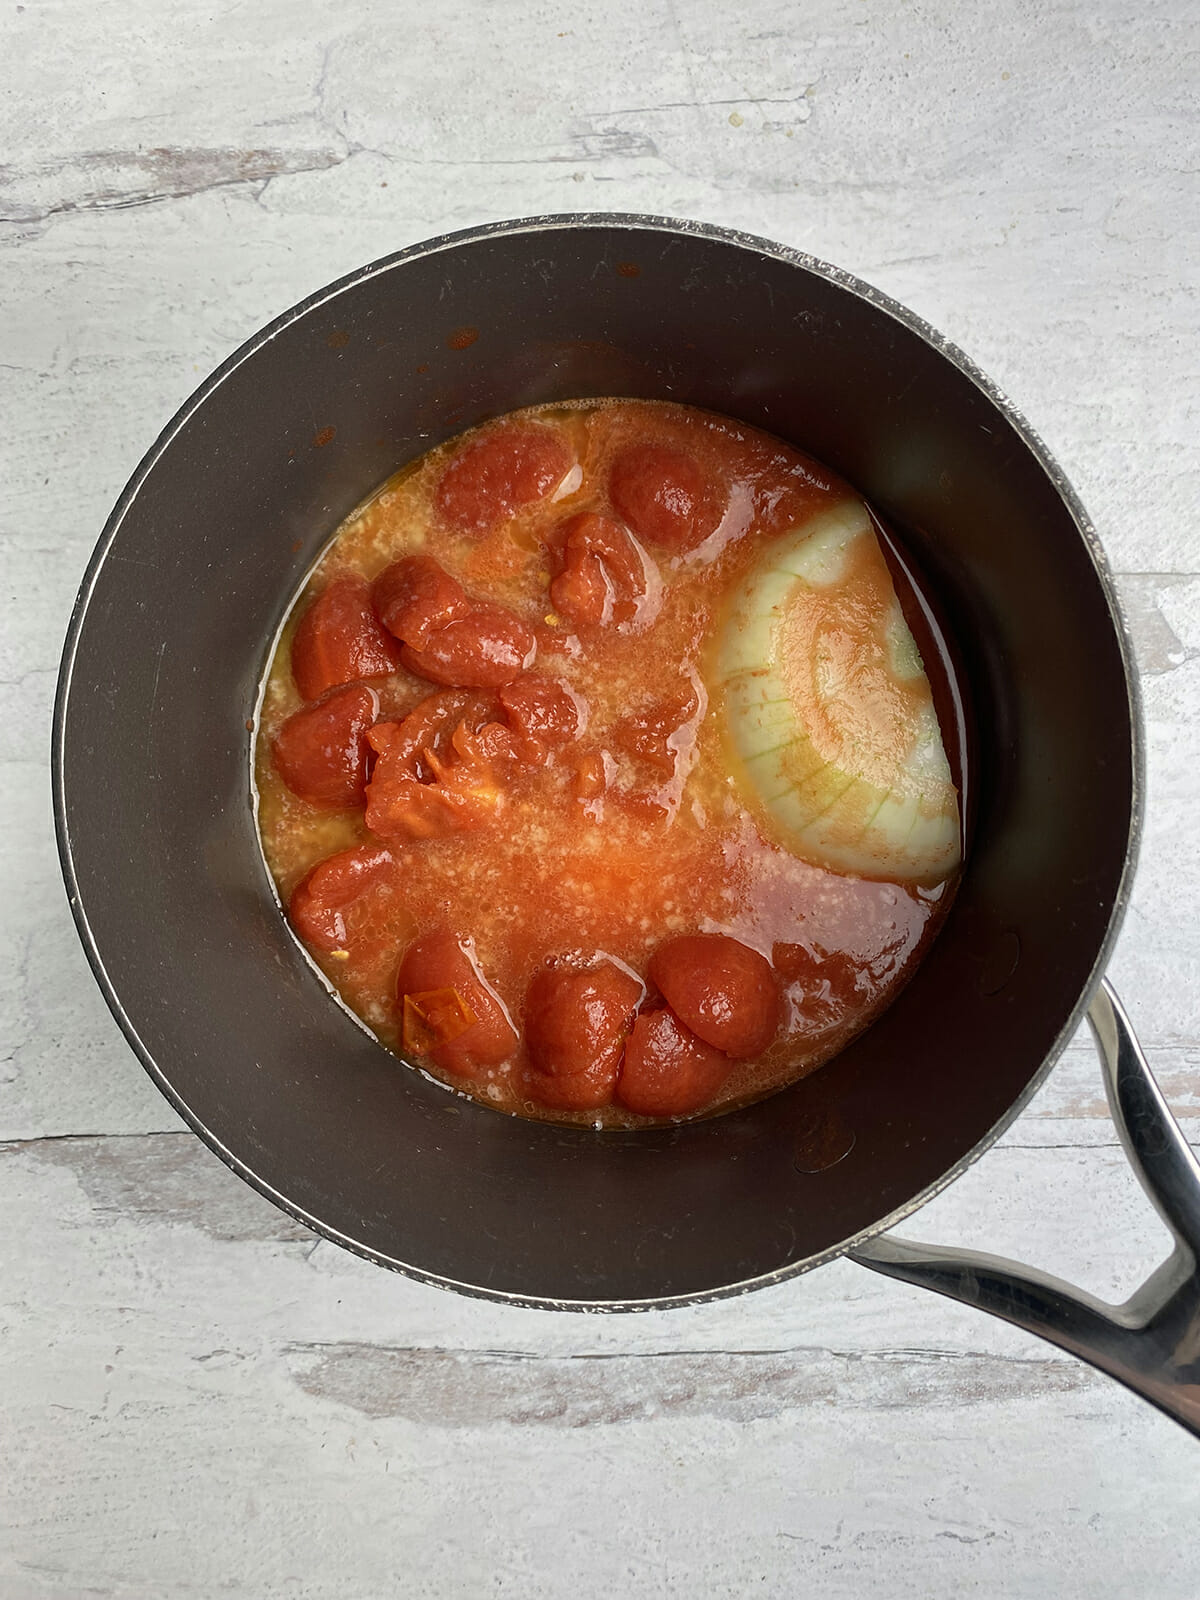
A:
(496, 803)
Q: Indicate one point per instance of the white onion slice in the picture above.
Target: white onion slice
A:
(827, 709)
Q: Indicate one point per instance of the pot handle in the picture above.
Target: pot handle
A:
(1151, 1343)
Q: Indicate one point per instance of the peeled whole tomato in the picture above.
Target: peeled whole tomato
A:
(726, 993)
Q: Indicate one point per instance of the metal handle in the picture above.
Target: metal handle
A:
(1151, 1343)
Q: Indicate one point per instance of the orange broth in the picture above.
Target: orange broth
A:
(632, 831)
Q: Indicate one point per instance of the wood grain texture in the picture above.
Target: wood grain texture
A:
(197, 1397)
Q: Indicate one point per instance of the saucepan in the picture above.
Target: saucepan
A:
(152, 740)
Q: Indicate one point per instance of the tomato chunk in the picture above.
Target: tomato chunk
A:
(668, 1071)
(722, 990)
(340, 639)
(605, 578)
(428, 781)
(321, 752)
(544, 713)
(576, 1021)
(663, 735)
(429, 725)
(504, 469)
(415, 597)
(590, 775)
(665, 496)
(327, 906)
(488, 647)
(437, 962)
(822, 985)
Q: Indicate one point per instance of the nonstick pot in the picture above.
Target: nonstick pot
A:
(159, 684)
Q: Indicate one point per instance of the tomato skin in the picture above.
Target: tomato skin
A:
(665, 496)
(496, 474)
(415, 596)
(321, 751)
(668, 1071)
(605, 577)
(726, 993)
(544, 714)
(340, 639)
(487, 648)
(321, 900)
(440, 960)
(576, 1020)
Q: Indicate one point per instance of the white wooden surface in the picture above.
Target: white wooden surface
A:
(197, 1398)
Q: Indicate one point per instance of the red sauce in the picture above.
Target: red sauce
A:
(495, 804)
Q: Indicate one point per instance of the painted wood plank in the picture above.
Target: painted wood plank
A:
(115, 1208)
(181, 1364)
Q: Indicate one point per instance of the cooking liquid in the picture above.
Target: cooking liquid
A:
(671, 846)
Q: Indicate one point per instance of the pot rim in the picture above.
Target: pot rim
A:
(649, 223)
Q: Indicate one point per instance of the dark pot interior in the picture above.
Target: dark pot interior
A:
(197, 567)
